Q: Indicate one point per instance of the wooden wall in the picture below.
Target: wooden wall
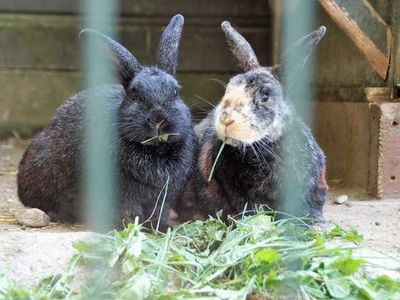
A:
(343, 115)
(347, 92)
(40, 51)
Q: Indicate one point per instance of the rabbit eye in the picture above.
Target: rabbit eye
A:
(132, 94)
(264, 97)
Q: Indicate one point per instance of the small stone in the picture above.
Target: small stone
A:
(341, 199)
(23, 227)
(32, 217)
(377, 223)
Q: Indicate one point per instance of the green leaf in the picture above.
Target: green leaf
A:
(163, 137)
(338, 288)
(268, 256)
(354, 236)
(272, 275)
(319, 240)
(135, 246)
(138, 288)
(351, 235)
(129, 265)
(259, 220)
(316, 292)
(387, 282)
(348, 265)
(81, 246)
(364, 287)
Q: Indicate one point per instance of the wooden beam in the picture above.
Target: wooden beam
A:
(144, 8)
(366, 28)
(384, 158)
(353, 94)
(276, 30)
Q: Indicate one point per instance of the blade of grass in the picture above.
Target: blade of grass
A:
(162, 203)
(216, 160)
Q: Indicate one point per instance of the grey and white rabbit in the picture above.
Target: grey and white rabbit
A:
(147, 104)
(270, 154)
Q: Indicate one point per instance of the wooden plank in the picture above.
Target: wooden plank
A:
(29, 97)
(373, 161)
(369, 32)
(384, 163)
(41, 6)
(339, 63)
(343, 131)
(276, 30)
(51, 43)
(353, 94)
(224, 8)
(396, 46)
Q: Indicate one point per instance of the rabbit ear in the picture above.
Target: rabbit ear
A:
(123, 60)
(240, 48)
(300, 51)
(167, 53)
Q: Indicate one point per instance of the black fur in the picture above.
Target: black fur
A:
(147, 104)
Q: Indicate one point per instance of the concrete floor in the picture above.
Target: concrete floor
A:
(25, 250)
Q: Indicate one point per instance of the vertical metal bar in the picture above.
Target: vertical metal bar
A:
(298, 20)
(100, 142)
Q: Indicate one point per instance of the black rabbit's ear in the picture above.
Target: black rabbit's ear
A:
(123, 60)
(294, 59)
(242, 50)
(167, 53)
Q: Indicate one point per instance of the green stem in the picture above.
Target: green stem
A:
(162, 137)
(216, 160)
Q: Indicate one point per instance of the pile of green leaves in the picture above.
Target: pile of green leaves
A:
(252, 257)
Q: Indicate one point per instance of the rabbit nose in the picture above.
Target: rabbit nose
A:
(156, 121)
(159, 125)
(226, 120)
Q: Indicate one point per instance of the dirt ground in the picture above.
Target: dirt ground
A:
(27, 254)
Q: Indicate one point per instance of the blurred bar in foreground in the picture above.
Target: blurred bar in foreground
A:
(100, 143)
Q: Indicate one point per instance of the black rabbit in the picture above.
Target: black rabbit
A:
(270, 154)
(148, 106)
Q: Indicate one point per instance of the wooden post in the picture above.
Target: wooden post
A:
(276, 29)
(384, 164)
(366, 28)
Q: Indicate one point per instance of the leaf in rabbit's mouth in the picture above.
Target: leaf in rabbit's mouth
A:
(216, 160)
(162, 137)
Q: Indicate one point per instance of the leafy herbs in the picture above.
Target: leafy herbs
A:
(211, 260)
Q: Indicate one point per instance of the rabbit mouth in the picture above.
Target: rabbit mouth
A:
(232, 142)
(161, 138)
